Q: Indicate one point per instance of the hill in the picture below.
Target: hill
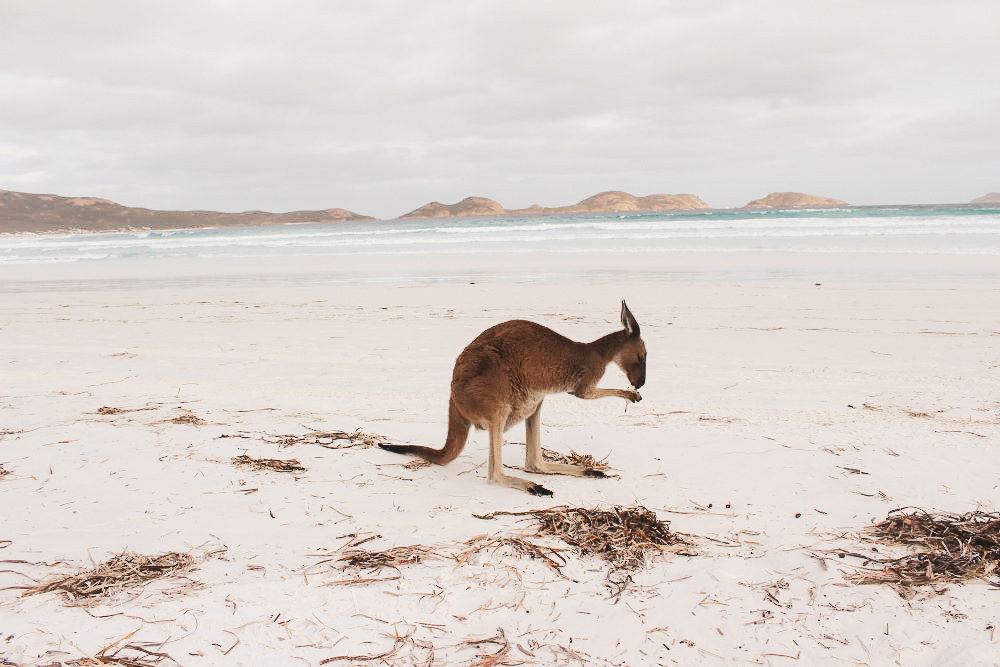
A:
(25, 212)
(795, 200)
(604, 202)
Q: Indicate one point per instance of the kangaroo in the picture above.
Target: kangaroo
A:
(501, 378)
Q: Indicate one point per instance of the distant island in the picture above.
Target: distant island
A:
(604, 202)
(23, 212)
(39, 213)
(795, 200)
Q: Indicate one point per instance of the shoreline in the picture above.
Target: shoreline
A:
(656, 268)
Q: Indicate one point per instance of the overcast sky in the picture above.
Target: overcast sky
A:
(381, 106)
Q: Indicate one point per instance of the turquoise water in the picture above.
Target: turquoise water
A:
(951, 231)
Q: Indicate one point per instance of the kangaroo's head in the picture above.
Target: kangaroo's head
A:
(631, 358)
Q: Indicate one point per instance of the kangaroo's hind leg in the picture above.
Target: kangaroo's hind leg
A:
(496, 475)
(533, 461)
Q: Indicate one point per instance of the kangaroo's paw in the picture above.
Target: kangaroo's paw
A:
(632, 396)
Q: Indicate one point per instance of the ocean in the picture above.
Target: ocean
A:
(776, 244)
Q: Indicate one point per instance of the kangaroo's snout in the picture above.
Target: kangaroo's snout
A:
(636, 374)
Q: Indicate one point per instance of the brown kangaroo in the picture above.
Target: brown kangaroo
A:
(502, 377)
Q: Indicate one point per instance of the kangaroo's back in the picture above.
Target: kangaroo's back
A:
(527, 355)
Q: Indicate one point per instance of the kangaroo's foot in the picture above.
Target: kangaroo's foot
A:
(523, 484)
(546, 468)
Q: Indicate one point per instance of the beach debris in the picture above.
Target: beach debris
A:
(3, 471)
(124, 571)
(186, 418)
(399, 641)
(586, 461)
(334, 439)
(375, 561)
(951, 548)
(624, 537)
(276, 465)
(551, 556)
(110, 410)
(491, 659)
(417, 464)
(141, 657)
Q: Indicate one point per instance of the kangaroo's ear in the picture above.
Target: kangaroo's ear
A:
(628, 321)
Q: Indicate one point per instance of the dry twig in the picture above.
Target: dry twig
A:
(491, 659)
(108, 410)
(399, 643)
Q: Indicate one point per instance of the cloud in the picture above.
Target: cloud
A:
(383, 105)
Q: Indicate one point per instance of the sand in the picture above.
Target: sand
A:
(779, 420)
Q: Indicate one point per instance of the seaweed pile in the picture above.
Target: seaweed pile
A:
(950, 548)
(624, 537)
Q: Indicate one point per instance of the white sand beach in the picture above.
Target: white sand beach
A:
(780, 419)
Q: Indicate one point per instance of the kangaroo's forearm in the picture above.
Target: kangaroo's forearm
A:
(597, 392)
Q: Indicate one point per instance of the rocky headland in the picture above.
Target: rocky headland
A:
(991, 198)
(795, 200)
(24, 212)
(470, 206)
(613, 201)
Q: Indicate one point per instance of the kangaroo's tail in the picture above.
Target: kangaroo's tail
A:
(458, 435)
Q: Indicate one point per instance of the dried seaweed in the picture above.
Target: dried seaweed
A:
(399, 643)
(109, 410)
(145, 658)
(586, 461)
(491, 659)
(330, 439)
(625, 537)
(124, 571)
(187, 418)
(951, 548)
(277, 465)
(417, 464)
(376, 561)
(551, 556)
(3, 472)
